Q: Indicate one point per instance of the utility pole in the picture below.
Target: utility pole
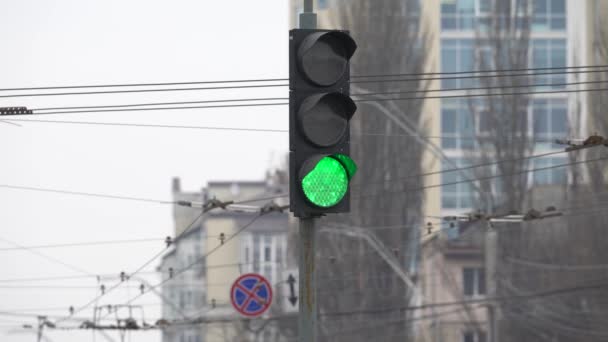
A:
(307, 287)
(491, 248)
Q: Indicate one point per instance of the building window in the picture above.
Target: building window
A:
(551, 175)
(267, 250)
(474, 336)
(549, 15)
(457, 125)
(549, 53)
(550, 121)
(460, 195)
(473, 281)
(457, 55)
(322, 4)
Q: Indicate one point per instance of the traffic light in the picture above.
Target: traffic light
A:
(319, 131)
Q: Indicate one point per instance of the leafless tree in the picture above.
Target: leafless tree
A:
(566, 252)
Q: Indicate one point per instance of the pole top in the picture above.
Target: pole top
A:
(308, 20)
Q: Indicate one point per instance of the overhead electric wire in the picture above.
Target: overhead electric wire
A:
(555, 267)
(93, 243)
(390, 80)
(144, 84)
(153, 109)
(483, 178)
(130, 275)
(197, 261)
(124, 124)
(141, 91)
(541, 85)
(153, 84)
(542, 294)
(108, 108)
(90, 243)
(106, 275)
(88, 194)
(47, 257)
(464, 168)
(9, 119)
(158, 104)
(480, 71)
(565, 91)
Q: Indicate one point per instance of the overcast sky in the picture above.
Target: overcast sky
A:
(48, 43)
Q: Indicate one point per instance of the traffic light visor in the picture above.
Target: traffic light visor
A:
(324, 118)
(323, 56)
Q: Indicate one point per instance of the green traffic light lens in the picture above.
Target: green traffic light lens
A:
(326, 184)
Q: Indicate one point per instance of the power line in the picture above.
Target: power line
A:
(565, 91)
(124, 124)
(88, 194)
(478, 76)
(90, 243)
(142, 90)
(496, 162)
(480, 71)
(143, 84)
(198, 260)
(486, 178)
(116, 275)
(47, 257)
(160, 104)
(542, 294)
(62, 110)
(94, 243)
(44, 279)
(153, 84)
(478, 88)
(139, 269)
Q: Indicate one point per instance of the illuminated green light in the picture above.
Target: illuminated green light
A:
(326, 184)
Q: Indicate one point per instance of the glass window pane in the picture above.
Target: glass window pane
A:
(466, 6)
(448, 121)
(558, 7)
(468, 336)
(539, 57)
(448, 7)
(558, 23)
(540, 7)
(448, 202)
(485, 5)
(468, 281)
(448, 23)
(448, 143)
(541, 124)
(559, 121)
(539, 24)
(448, 60)
(481, 281)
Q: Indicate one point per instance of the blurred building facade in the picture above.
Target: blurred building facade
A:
(203, 291)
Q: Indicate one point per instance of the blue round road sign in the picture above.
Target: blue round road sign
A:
(251, 294)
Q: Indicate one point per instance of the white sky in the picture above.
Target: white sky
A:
(117, 41)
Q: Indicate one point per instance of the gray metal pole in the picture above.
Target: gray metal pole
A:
(491, 248)
(307, 318)
(308, 19)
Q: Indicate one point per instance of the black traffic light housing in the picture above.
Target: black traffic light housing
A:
(320, 108)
